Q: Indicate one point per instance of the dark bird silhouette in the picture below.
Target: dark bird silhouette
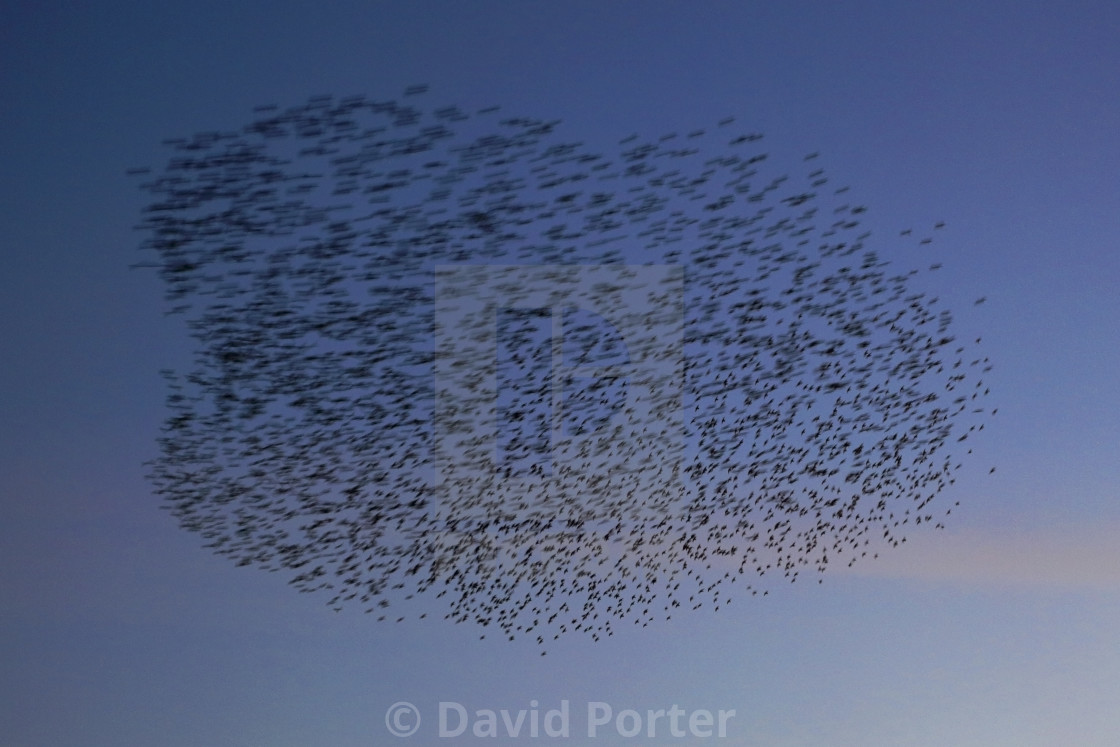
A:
(457, 357)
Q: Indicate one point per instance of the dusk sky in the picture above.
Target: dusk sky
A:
(999, 118)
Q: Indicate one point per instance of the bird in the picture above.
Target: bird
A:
(464, 358)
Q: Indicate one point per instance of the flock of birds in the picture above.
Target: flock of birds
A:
(394, 309)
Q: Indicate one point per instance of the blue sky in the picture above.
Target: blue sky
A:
(999, 118)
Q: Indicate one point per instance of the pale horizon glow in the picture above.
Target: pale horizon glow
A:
(1067, 557)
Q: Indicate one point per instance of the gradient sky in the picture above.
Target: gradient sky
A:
(1000, 118)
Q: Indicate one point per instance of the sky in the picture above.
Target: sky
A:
(998, 118)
